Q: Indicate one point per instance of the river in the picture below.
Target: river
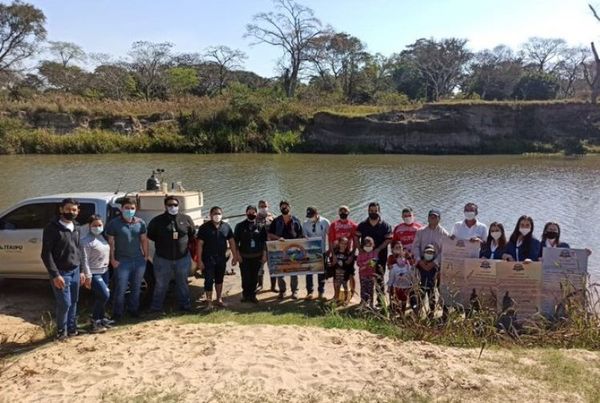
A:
(547, 188)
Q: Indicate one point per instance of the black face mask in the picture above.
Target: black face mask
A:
(551, 235)
(343, 216)
(251, 217)
(69, 216)
(285, 211)
(373, 216)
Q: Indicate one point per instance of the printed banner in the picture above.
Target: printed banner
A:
(564, 277)
(452, 272)
(295, 256)
(519, 287)
(480, 288)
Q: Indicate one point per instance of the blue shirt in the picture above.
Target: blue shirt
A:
(127, 237)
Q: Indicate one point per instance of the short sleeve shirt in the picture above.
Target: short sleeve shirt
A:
(127, 237)
(380, 232)
(214, 238)
(405, 233)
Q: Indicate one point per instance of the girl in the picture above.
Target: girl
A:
(401, 279)
(343, 263)
(495, 245)
(551, 238)
(367, 265)
(95, 258)
(429, 272)
(522, 245)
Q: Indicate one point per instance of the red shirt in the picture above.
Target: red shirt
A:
(406, 233)
(339, 229)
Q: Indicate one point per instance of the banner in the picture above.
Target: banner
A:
(480, 288)
(564, 273)
(452, 272)
(295, 256)
(519, 287)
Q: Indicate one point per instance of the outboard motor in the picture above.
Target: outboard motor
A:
(153, 183)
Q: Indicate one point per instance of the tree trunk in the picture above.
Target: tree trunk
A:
(595, 82)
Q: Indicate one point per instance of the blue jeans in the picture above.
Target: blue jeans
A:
(309, 283)
(66, 301)
(164, 270)
(293, 284)
(101, 294)
(129, 272)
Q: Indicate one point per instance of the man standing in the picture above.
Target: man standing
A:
(251, 241)
(128, 254)
(381, 232)
(286, 226)
(405, 231)
(264, 218)
(432, 234)
(470, 229)
(344, 228)
(171, 232)
(213, 238)
(316, 227)
(62, 258)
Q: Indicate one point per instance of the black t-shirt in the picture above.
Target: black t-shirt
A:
(250, 238)
(380, 232)
(428, 277)
(215, 239)
(171, 235)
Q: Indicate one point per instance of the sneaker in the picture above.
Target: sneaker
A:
(73, 333)
(61, 336)
(254, 300)
(294, 294)
(107, 323)
(309, 296)
(97, 327)
(281, 296)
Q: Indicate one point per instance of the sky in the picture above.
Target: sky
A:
(386, 26)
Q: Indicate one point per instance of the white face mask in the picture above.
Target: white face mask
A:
(470, 215)
(368, 249)
(496, 234)
(408, 220)
(173, 210)
(263, 211)
(524, 231)
(217, 218)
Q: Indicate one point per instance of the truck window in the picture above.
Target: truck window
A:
(38, 215)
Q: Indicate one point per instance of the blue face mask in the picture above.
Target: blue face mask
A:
(129, 214)
(96, 230)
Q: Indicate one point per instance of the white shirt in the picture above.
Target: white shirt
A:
(401, 275)
(463, 232)
(68, 225)
(321, 228)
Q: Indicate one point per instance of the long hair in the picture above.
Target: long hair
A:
(526, 239)
(544, 233)
(502, 240)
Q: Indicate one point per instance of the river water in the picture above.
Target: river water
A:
(505, 187)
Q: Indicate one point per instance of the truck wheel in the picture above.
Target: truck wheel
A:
(147, 286)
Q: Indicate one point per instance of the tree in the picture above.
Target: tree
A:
(292, 29)
(440, 63)
(224, 60)
(68, 79)
(113, 81)
(407, 79)
(66, 52)
(182, 79)
(148, 63)
(536, 85)
(494, 73)
(21, 30)
(543, 53)
(593, 78)
(570, 70)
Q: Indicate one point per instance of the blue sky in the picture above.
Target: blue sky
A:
(386, 26)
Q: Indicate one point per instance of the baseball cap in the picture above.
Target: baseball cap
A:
(434, 212)
(311, 211)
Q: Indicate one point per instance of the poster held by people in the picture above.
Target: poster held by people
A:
(480, 287)
(295, 256)
(564, 278)
(519, 287)
(452, 273)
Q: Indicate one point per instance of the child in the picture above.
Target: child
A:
(343, 263)
(367, 263)
(429, 273)
(400, 281)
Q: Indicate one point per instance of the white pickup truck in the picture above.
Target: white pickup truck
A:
(21, 225)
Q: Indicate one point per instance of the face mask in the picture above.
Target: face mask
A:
(470, 215)
(97, 230)
(217, 218)
(263, 211)
(496, 234)
(368, 249)
(343, 216)
(373, 216)
(408, 220)
(524, 231)
(551, 235)
(173, 210)
(428, 256)
(129, 214)
(251, 217)
(69, 216)
(285, 211)
(397, 251)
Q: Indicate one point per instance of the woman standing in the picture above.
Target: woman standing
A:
(522, 245)
(495, 244)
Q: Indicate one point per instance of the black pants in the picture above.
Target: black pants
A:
(249, 268)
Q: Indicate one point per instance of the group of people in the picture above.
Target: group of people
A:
(123, 243)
